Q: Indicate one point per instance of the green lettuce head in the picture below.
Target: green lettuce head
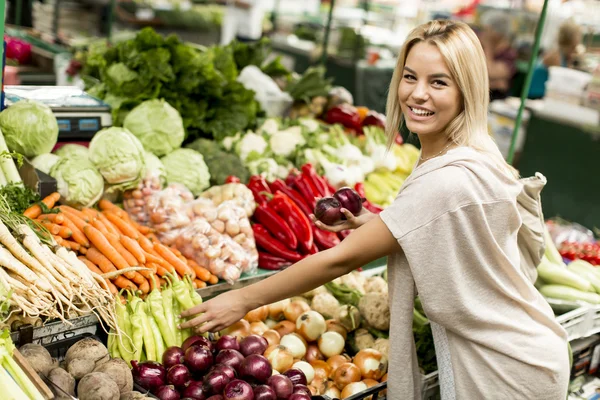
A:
(154, 167)
(79, 182)
(29, 128)
(45, 162)
(118, 155)
(187, 167)
(157, 125)
(73, 150)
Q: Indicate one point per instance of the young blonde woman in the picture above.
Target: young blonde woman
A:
(452, 236)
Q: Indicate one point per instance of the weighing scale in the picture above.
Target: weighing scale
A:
(78, 114)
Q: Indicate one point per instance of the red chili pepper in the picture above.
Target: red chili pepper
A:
(270, 262)
(314, 249)
(259, 198)
(258, 186)
(372, 207)
(324, 239)
(360, 189)
(300, 224)
(272, 245)
(232, 179)
(276, 226)
(296, 197)
(292, 177)
(306, 191)
(345, 115)
(320, 186)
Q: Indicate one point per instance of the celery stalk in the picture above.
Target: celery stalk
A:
(10, 388)
(9, 366)
(7, 165)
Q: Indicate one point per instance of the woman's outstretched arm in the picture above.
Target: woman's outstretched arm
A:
(371, 241)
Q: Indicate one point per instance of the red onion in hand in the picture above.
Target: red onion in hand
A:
(349, 199)
(328, 211)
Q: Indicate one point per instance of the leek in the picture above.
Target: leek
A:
(555, 274)
(551, 252)
(25, 389)
(7, 165)
(587, 272)
(562, 292)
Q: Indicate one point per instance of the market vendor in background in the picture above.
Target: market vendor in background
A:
(564, 54)
(243, 21)
(501, 57)
(453, 235)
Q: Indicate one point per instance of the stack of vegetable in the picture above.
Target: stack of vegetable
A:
(579, 281)
(282, 228)
(15, 383)
(296, 337)
(112, 245)
(150, 326)
(39, 279)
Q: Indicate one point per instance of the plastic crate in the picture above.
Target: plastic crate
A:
(593, 321)
(575, 323)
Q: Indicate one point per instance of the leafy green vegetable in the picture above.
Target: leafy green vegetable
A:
(424, 342)
(29, 128)
(200, 84)
(79, 182)
(251, 53)
(187, 167)
(44, 162)
(312, 83)
(220, 164)
(19, 197)
(72, 150)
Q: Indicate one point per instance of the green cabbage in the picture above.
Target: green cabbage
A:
(44, 162)
(29, 128)
(154, 166)
(73, 150)
(79, 182)
(187, 167)
(118, 155)
(158, 126)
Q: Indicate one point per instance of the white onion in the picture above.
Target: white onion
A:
(295, 343)
(311, 325)
(353, 388)
(270, 323)
(308, 370)
(331, 344)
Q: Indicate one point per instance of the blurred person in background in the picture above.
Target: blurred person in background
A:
(496, 40)
(243, 21)
(564, 54)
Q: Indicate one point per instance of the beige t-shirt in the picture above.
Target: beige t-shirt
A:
(456, 219)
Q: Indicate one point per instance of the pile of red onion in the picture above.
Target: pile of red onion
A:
(328, 209)
(222, 370)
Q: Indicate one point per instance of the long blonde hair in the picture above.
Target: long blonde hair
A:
(463, 54)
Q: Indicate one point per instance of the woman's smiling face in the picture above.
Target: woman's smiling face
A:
(429, 97)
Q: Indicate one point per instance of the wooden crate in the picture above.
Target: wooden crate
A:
(33, 376)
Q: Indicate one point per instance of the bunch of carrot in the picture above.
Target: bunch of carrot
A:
(111, 244)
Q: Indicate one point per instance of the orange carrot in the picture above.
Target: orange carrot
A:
(69, 244)
(114, 242)
(162, 281)
(52, 227)
(56, 218)
(143, 229)
(106, 205)
(141, 282)
(199, 284)
(65, 232)
(73, 211)
(159, 269)
(201, 272)
(36, 210)
(95, 256)
(94, 268)
(124, 283)
(90, 213)
(96, 223)
(134, 248)
(153, 238)
(181, 267)
(83, 250)
(123, 226)
(102, 244)
(77, 235)
(109, 225)
(78, 221)
(213, 279)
